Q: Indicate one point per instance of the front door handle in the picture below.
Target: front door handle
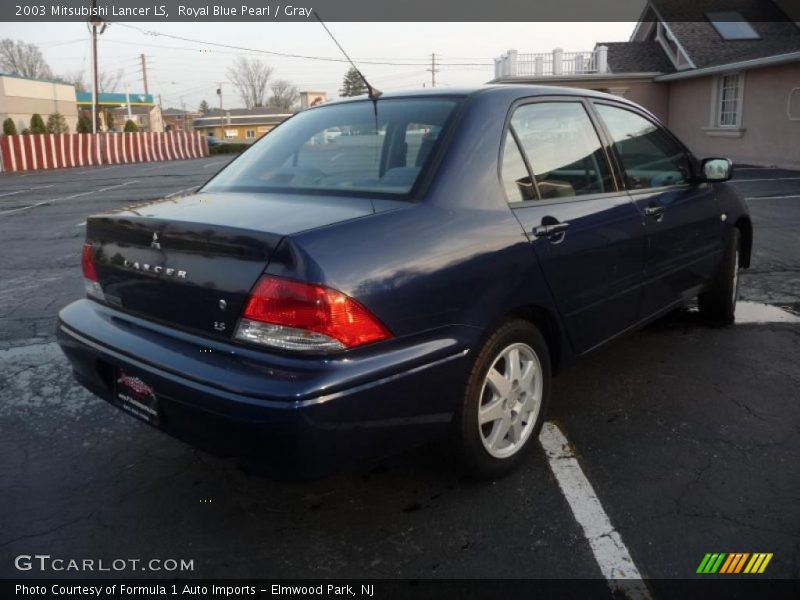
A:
(550, 230)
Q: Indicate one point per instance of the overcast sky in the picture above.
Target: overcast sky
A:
(179, 69)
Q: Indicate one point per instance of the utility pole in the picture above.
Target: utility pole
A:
(144, 72)
(433, 70)
(183, 110)
(128, 101)
(219, 93)
(94, 79)
(95, 103)
(95, 23)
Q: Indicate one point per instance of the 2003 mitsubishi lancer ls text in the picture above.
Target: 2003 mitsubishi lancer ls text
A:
(421, 274)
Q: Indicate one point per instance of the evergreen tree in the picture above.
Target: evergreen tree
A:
(131, 126)
(37, 124)
(109, 114)
(204, 107)
(353, 84)
(56, 123)
(84, 124)
(9, 128)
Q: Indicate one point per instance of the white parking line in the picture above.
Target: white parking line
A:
(173, 194)
(756, 312)
(54, 200)
(38, 187)
(219, 162)
(609, 551)
(159, 167)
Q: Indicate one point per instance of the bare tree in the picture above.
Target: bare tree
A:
(284, 94)
(74, 78)
(109, 81)
(25, 60)
(250, 77)
(106, 81)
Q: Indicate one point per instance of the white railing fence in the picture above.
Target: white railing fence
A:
(551, 64)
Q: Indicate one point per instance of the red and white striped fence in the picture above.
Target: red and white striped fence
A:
(58, 150)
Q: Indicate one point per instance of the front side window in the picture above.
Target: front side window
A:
(728, 100)
(562, 149)
(649, 156)
(360, 146)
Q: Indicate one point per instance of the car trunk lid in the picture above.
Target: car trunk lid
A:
(191, 262)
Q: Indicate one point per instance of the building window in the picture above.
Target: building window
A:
(231, 133)
(729, 100)
(731, 25)
(250, 134)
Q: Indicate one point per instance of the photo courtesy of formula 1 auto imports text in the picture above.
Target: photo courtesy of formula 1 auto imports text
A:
(395, 300)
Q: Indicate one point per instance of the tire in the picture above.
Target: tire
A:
(718, 303)
(519, 408)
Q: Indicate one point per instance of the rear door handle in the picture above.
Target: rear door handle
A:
(550, 230)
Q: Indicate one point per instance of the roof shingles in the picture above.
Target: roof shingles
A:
(688, 21)
(637, 57)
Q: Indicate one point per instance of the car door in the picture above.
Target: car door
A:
(587, 235)
(682, 216)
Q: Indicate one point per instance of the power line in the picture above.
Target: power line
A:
(55, 43)
(276, 53)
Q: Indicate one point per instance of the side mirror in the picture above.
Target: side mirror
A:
(717, 169)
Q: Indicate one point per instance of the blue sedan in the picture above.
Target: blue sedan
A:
(375, 274)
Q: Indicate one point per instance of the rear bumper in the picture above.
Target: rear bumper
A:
(298, 417)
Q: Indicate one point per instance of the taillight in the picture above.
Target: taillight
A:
(90, 280)
(298, 316)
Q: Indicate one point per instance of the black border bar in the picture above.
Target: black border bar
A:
(378, 10)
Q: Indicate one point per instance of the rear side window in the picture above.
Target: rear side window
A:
(562, 149)
(649, 156)
(360, 146)
(516, 179)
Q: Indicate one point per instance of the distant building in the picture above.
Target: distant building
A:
(309, 99)
(143, 110)
(723, 75)
(21, 98)
(240, 124)
(176, 119)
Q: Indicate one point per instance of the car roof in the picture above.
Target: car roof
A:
(506, 91)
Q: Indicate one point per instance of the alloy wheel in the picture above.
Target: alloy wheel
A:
(510, 400)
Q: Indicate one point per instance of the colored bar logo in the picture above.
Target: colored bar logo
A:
(734, 563)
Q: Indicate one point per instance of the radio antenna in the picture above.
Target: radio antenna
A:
(373, 93)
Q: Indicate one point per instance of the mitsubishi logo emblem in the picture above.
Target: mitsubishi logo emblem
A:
(155, 243)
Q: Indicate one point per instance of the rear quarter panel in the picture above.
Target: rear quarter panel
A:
(458, 256)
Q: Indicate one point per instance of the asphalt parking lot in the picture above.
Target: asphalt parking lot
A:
(688, 435)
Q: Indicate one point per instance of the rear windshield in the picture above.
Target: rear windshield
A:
(360, 147)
